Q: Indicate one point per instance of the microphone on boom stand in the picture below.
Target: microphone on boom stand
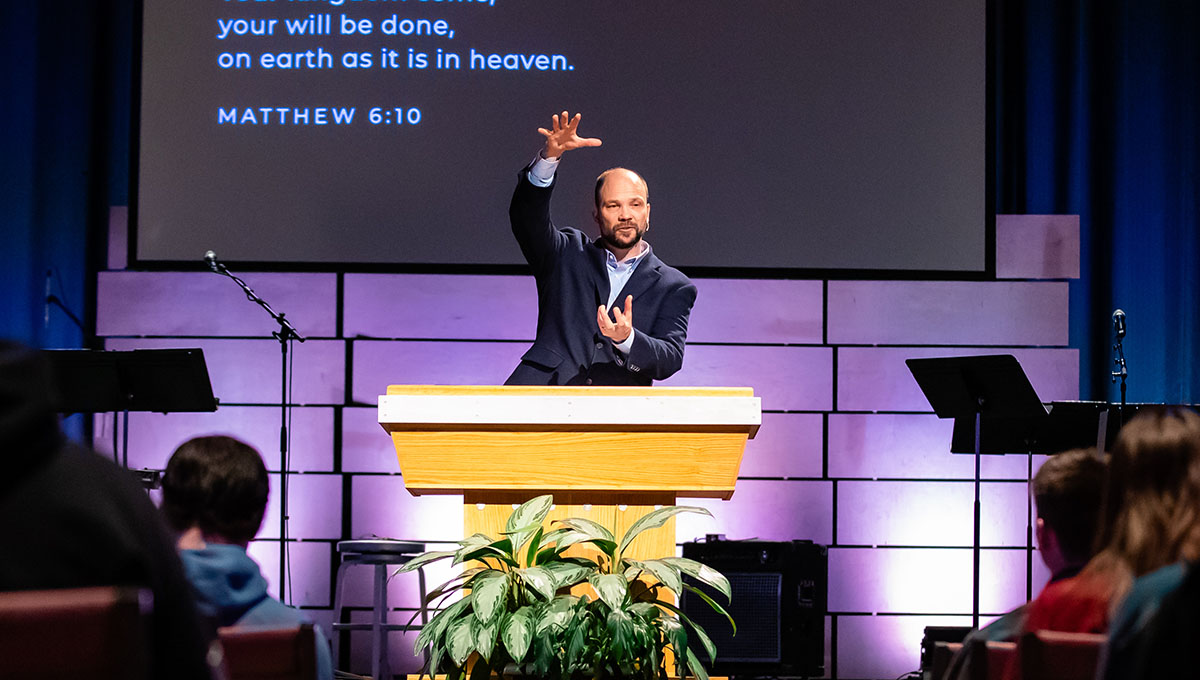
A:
(1122, 372)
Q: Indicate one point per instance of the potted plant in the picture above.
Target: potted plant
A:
(520, 617)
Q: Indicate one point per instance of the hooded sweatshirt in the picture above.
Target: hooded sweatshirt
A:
(231, 590)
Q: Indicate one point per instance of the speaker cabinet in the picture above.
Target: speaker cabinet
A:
(780, 598)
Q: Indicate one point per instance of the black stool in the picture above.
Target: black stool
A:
(381, 553)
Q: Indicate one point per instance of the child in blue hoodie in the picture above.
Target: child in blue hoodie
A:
(215, 496)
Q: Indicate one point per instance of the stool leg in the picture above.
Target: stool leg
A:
(338, 593)
(379, 646)
(421, 589)
(424, 613)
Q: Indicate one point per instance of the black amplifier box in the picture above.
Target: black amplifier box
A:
(780, 598)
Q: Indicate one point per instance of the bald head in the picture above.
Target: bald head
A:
(625, 174)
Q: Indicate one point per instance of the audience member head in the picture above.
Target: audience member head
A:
(1067, 491)
(218, 486)
(1152, 500)
(28, 421)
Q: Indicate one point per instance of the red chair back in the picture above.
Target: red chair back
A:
(270, 653)
(1053, 655)
(95, 633)
(989, 659)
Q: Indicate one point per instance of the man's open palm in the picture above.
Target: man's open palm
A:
(617, 332)
(563, 137)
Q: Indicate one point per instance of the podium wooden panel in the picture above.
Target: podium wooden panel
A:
(610, 454)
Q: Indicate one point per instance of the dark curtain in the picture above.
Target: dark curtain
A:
(64, 117)
(1096, 111)
(1096, 115)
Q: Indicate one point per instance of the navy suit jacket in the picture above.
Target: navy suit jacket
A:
(572, 282)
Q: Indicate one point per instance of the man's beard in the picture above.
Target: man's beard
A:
(611, 237)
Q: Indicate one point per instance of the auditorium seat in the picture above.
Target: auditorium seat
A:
(1052, 655)
(253, 653)
(95, 633)
(996, 657)
(941, 656)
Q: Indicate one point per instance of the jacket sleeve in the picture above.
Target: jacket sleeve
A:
(529, 214)
(658, 353)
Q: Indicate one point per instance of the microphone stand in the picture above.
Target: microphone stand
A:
(286, 333)
(1122, 371)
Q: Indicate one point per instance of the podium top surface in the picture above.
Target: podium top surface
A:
(562, 391)
(603, 408)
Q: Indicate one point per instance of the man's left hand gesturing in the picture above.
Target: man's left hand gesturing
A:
(617, 332)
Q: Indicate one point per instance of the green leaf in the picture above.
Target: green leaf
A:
(432, 631)
(476, 539)
(712, 603)
(423, 559)
(702, 573)
(620, 627)
(488, 594)
(709, 647)
(526, 519)
(517, 632)
(646, 610)
(556, 614)
(485, 637)
(592, 529)
(531, 512)
(453, 585)
(540, 580)
(655, 519)
(566, 575)
(570, 537)
(677, 637)
(550, 538)
(576, 645)
(545, 556)
(609, 548)
(460, 640)
(501, 550)
(665, 573)
(696, 666)
(435, 660)
(613, 589)
(543, 655)
(531, 557)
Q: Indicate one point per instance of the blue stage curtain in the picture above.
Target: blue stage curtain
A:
(1097, 115)
(65, 122)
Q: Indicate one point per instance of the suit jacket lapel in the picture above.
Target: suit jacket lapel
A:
(646, 274)
(599, 272)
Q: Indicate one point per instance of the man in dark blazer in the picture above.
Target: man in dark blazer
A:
(586, 335)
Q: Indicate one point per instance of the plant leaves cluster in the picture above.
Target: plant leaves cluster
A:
(520, 618)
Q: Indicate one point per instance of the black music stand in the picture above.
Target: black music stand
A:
(153, 380)
(989, 396)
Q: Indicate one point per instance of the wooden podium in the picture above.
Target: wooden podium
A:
(609, 454)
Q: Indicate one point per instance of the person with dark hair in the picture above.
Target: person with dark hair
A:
(1148, 522)
(72, 519)
(1067, 491)
(214, 493)
(588, 289)
(1067, 495)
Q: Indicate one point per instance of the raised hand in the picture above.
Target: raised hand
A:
(617, 332)
(562, 136)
